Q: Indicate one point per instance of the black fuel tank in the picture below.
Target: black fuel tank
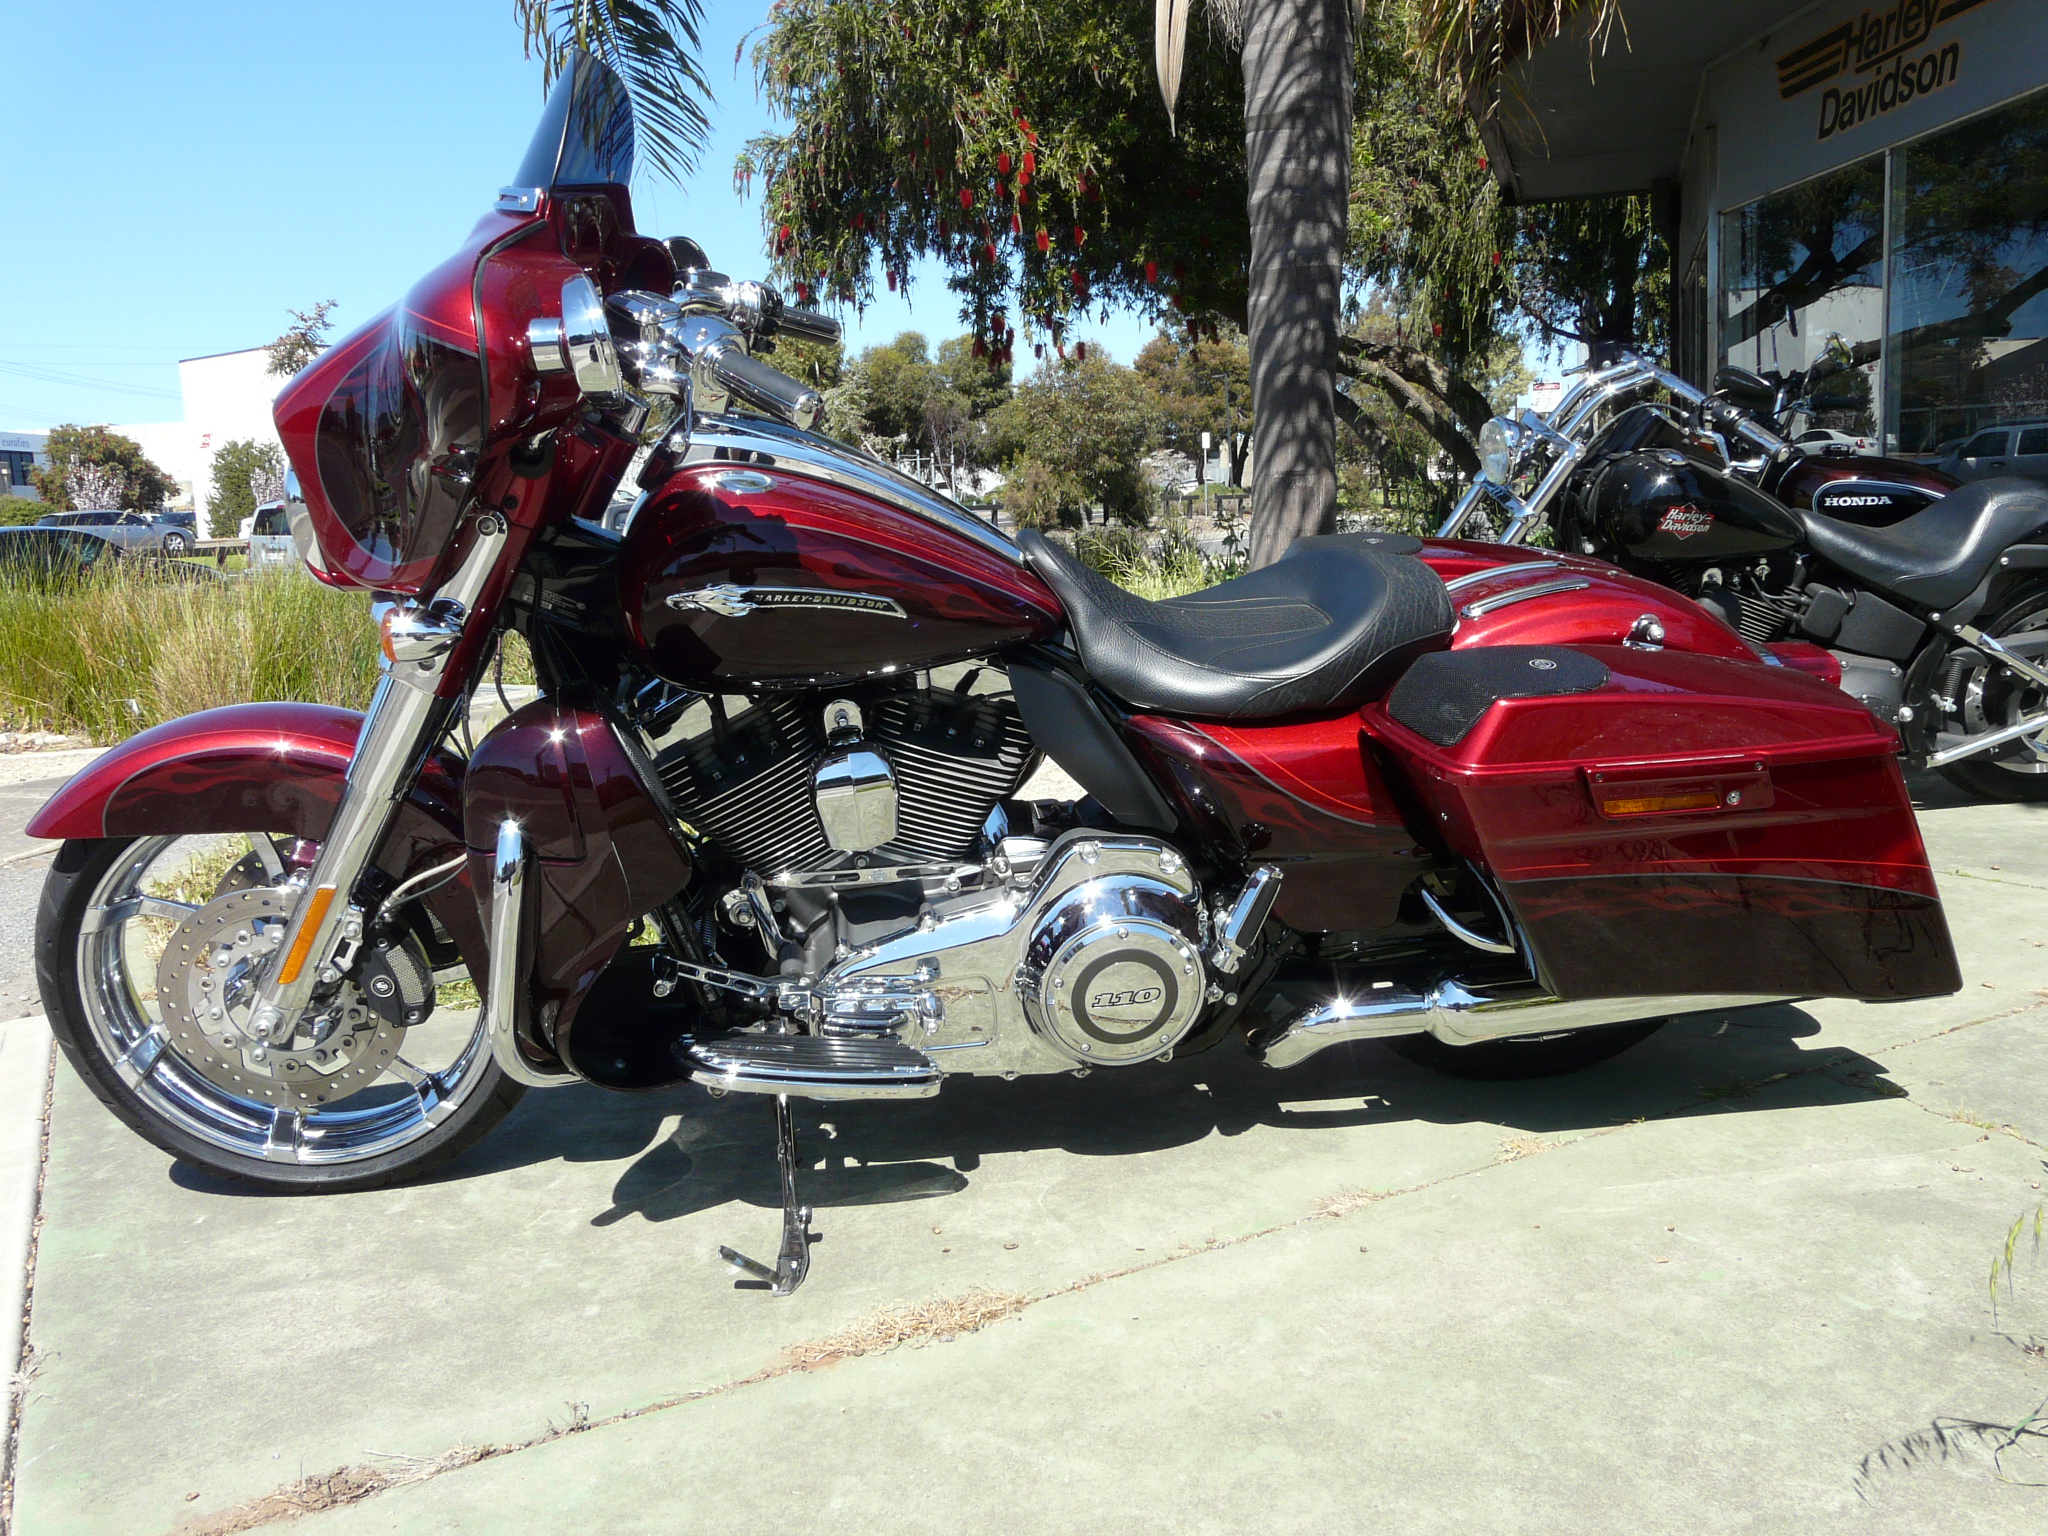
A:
(1669, 506)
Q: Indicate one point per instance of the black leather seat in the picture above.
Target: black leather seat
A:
(1330, 624)
(1938, 555)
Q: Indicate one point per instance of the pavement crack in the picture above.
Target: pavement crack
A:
(26, 1363)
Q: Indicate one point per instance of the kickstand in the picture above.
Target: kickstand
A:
(794, 1262)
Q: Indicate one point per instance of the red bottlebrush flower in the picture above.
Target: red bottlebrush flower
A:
(1029, 137)
(1080, 351)
(945, 230)
(1023, 197)
(1177, 304)
(1016, 224)
(1482, 162)
(966, 197)
(990, 248)
(860, 221)
(892, 281)
(803, 293)
(784, 232)
(980, 347)
(1082, 184)
(1080, 237)
(1080, 282)
(1436, 330)
(1030, 163)
(1151, 274)
(1496, 258)
(1038, 349)
(1044, 242)
(1003, 163)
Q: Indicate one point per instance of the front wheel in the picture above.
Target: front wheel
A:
(146, 950)
(175, 545)
(1977, 694)
(1524, 1056)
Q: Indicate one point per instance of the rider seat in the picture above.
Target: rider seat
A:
(1940, 554)
(1328, 625)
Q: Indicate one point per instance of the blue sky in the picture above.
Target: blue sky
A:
(180, 175)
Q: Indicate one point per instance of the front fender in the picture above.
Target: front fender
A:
(264, 768)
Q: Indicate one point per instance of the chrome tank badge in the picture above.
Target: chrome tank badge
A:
(736, 602)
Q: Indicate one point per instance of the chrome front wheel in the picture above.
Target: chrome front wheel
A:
(147, 950)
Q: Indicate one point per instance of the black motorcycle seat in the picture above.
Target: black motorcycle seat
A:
(1941, 553)
(1330, 624)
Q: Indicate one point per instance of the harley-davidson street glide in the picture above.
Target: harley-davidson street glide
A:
(762, 828)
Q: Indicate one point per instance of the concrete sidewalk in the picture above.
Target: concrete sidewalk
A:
(1736, 1277)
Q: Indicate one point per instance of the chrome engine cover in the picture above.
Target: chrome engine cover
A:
(1092, 958)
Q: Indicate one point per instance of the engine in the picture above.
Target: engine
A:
(877, 866)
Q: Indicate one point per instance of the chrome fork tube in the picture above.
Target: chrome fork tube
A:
(405, 716)
(501, 997)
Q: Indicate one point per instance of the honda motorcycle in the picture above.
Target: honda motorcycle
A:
(762, 829)
(1932, 599)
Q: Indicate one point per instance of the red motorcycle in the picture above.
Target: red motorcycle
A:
(761, 830)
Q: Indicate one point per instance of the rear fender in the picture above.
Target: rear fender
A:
(1587, 602)
(276, 768)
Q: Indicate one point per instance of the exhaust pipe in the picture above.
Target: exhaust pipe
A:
(1458, 1016)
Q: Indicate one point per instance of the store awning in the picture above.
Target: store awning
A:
(1571, 124)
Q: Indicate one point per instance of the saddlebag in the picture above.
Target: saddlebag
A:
(1663, 823)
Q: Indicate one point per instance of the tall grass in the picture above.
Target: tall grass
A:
(130, 649)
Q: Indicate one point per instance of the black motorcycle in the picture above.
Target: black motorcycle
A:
(1934, 601)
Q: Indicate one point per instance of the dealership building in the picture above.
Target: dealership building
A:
(1860, 189)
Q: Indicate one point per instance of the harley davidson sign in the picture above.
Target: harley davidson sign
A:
(1684, 522)
(1889, 56)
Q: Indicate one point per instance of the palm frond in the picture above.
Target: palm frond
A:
(653, 46)
(1469, 42)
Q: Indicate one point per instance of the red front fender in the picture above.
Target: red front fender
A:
(263, 768)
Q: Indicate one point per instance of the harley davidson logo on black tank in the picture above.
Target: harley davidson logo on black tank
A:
(1684, 522)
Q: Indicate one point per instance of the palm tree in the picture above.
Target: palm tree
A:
(652, 45)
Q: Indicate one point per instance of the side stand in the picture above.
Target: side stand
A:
(794, 1262)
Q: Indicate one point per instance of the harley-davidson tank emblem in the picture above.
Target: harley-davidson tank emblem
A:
(736, 602)
(1684, 522)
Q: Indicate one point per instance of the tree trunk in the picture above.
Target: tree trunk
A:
(1297, 139)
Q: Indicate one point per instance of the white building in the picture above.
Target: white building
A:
(20, 452)
(227, 395)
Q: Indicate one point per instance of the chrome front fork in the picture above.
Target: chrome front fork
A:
(405, 718)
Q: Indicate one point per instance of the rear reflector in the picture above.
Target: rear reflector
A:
(1650, 805)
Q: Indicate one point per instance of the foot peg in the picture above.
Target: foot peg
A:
(794, 1261)
(814, 1066)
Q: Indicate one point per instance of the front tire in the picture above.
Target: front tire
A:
(1523, 1056)
(107, 909)
(174, 545)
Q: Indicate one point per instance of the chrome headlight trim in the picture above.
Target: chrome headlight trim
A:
(1500, 447)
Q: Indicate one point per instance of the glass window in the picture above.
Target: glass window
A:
(2033, 440)
(1969, 306)
(1985, 445)
(1802, 288)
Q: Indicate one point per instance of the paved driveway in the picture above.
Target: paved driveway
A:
(1735, 1279)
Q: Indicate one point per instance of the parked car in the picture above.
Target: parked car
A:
(270, 537)
(2011, 448)
(129, 532)
(40, 555)
(1827, 440)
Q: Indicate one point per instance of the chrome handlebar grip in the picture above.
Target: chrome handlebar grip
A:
(810, 325)
(769, 389)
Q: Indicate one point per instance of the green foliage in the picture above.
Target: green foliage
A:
(232, 500)
(145, 486)
(1081, 428)
(1022, 144)
(817, 364)
(129, 648)
(20, 511)
(303, 340)
(653, 46)
(1200, 386)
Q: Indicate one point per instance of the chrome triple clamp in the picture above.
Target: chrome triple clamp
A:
(794, 1261)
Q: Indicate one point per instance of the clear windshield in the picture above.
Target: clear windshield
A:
(585, 138)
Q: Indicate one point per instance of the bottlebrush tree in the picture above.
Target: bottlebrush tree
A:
(1024, 145)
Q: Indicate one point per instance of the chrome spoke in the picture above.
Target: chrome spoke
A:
(140, 1059)
(264, 846)
(427, 1086)
(97, 918)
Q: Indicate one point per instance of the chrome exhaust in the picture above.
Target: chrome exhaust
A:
(1458, 1016)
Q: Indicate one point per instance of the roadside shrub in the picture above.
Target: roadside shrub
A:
(134, 648)
(20, 511)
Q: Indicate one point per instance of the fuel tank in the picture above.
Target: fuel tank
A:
(1672, 507)
(1871, 492)
(789, 568)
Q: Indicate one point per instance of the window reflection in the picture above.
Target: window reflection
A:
(1969, 306)
(1802, 275)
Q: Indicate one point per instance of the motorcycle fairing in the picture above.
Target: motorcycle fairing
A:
(1731, 822)
(264, 768)
(601, 837)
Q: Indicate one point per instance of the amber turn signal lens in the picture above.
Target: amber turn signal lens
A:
(295, 960)
(1650, 805)
(384, 635)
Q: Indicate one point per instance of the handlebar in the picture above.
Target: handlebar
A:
(810, 325)
(768, 389)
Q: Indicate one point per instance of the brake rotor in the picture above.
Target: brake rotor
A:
(205, 987)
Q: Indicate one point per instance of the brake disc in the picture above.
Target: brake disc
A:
(206, 991)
